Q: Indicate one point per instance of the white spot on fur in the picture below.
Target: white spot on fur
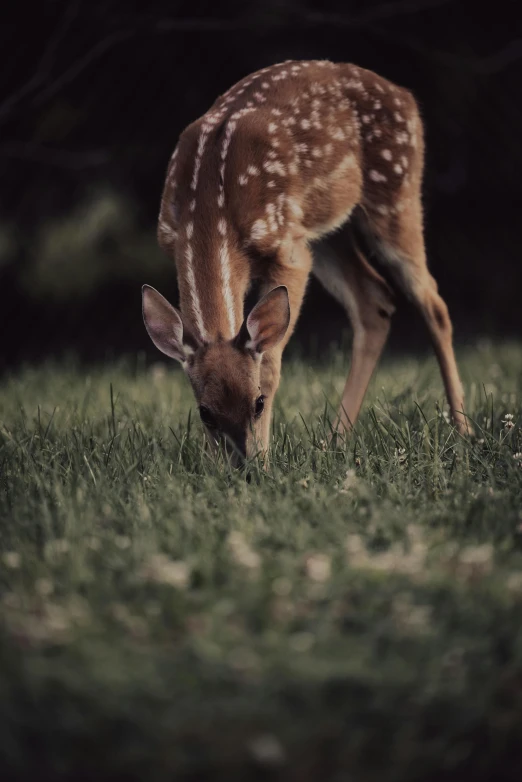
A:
(168, 233)
(397, 168)
(253, 171)
(224, 258)
(376, 176)
(274, 167)
(295, 208)
(305, 124)
(195, 175)
(272, 127)
(387, 155)
(348, 161)
(222, 227)
(271, 217)
(190, 229)
(259, 230)
(194, 298)
(242, 180)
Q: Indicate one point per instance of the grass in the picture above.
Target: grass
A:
(348, 614)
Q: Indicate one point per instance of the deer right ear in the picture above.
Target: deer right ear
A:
(268, 322)
(163, 324)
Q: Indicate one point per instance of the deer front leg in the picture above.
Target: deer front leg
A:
(293, 271)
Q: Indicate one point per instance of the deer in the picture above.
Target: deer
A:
(287, 156)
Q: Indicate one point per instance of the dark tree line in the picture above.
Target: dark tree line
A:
(94, 94)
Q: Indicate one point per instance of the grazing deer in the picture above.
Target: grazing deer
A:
(283, 158)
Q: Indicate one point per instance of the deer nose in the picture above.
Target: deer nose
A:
(237, 456)
(236, 449)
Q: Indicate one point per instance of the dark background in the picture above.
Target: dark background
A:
(94, 94)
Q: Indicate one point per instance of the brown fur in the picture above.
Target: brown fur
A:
(281, 159)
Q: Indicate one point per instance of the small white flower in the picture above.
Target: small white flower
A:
(122, 541)
(350, 480)
(514, 582)
(162, 570)
(267, 749)
(44, 586)
(318, 567)
(241, 551)
(400, 455)
(158, 371)
(12, 559)
(508, 421)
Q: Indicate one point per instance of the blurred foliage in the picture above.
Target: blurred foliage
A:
(98, 241)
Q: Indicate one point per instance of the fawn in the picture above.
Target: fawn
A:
(286, 156)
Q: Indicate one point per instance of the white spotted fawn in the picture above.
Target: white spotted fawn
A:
(281, 159)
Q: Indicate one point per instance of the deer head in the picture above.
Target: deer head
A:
(225, 375)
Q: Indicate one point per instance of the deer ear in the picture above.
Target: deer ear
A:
(268, 322)
(163, 324)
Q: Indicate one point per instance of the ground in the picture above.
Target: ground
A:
(350, 613)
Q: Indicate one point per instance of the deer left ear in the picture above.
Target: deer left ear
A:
(268, 321)
(164, 324)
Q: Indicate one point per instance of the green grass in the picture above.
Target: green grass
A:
(348, 614)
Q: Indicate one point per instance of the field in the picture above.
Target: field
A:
(348, 614)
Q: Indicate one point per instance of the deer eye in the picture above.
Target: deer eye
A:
(260, 406)
(207, 417)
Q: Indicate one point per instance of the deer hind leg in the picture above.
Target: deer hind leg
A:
(368, 301)
(398, 239)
